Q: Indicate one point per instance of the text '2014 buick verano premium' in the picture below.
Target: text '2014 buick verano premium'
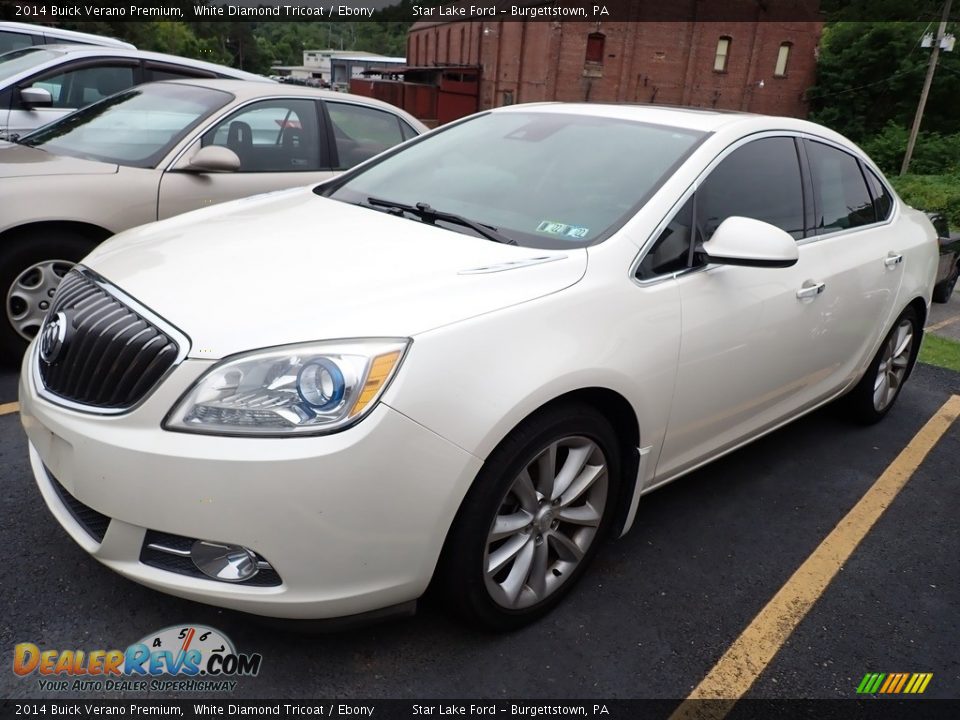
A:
(464, 361)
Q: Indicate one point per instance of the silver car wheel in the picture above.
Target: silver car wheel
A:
(893, 365)
(546, 521)
(29, 297)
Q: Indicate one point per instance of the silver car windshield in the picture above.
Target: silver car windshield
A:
(541, 179)
(17, 61)
(137, 127)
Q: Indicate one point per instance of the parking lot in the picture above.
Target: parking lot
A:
(651, 619)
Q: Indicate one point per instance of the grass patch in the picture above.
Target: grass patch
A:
(941, 352)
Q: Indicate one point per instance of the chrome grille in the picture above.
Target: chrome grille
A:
(111, 355)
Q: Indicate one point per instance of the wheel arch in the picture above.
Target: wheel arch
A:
(90, 231)
(920, 307)
(618, 410)
(623, 418)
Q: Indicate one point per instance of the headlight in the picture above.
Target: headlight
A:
(306, 389)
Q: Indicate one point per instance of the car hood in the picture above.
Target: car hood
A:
(291, 266)
(22, 161)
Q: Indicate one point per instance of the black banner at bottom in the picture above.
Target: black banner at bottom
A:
(877, 709)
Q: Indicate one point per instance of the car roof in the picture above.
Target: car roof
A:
(82, 51)
(250, 91)
(687, 118)
(71, 35)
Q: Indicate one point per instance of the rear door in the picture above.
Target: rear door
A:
(359, 132)
(854, 238)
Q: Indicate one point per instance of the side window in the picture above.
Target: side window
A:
(672, 250)
(157, 74)
(13, 41)
(362, 132)
(760, 180)
(78, 88)
(882, 202)
(271, 136)
(839, 190)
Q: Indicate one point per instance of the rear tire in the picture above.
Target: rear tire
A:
(533, 520)
(30, 270)
(878, 390)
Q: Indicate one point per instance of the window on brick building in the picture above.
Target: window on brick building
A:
(782, 57)
(723, 52)
(595, 44)
(462, 44)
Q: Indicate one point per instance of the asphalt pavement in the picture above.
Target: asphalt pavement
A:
(649, 620)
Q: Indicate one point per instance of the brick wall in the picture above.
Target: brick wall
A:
(662, 62)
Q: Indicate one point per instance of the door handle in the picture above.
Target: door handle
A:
(810, 289)
(893, 259)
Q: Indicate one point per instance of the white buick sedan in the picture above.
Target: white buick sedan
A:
(465, 361)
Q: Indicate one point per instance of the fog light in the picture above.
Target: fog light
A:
(229, 563)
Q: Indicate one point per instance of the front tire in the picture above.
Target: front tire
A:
(533, 520)
(30, 271)
(877, 391)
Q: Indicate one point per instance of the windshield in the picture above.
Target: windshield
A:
(16, 61)
(136, 128)
(542, 179)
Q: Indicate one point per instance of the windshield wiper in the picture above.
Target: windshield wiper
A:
(430, 216)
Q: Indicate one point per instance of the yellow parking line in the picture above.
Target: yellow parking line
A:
(748, 656)
(942, 324)
(8, 408)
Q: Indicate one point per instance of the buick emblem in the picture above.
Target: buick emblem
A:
(52, 338)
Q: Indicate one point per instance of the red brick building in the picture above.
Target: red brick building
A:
(762, 66)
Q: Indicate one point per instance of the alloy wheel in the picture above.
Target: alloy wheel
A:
(546, 522)
(893, 365)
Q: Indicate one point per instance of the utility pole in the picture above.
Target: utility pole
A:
(934, 56)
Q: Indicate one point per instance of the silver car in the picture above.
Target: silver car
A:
(159, 150)
(42, 83)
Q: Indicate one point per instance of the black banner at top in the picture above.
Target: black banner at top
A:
(55, 11)
(455, 709)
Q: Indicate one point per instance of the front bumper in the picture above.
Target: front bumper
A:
(351, 522)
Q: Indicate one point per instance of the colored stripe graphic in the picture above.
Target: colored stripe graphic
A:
(894, 683)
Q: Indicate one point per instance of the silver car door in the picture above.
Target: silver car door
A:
(280, 143)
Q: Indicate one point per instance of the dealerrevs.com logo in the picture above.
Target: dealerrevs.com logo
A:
(201, 658)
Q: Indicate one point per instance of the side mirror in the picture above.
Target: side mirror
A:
(751, 243)
(34, 97)
(214, 158)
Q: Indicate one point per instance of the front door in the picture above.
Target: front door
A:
(280, 143)
(71, 89)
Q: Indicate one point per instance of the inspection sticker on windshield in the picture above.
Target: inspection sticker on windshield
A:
(555, 228)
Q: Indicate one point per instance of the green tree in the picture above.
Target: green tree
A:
(870, 74)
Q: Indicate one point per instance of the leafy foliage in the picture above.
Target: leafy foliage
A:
(934, 153)
(931, 192)
(870, 74)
